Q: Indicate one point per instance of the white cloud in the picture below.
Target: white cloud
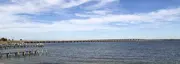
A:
(94, 13)
(98, 23)
(158, 16)
(86, 15)
(100, 12)
(34, 6)
(100, 4)
(73, 3)
(11, 22)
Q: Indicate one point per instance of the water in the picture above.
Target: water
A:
(105, 53)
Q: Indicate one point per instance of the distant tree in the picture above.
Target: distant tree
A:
(20, 39)
(3, 39)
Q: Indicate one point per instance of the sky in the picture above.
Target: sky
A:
(89, 19)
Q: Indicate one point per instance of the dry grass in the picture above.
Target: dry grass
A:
(9, 42)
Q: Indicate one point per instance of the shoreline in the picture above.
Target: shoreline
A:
(10, 42)
(90, 40)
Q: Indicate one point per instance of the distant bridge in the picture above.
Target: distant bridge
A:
(73, 41)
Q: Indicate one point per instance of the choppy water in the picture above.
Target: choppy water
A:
(105, 53)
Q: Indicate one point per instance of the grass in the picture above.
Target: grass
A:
(9, 42)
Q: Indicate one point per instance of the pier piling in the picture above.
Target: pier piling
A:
(18, 53)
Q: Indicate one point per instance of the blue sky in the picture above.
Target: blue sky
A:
(89, 19)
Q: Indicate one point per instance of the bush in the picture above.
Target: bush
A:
(3, 39)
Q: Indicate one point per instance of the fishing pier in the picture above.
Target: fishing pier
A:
(20, 49)
(74, 41)
(98, 40)
(18, 53)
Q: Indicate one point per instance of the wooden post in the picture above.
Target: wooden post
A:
(7, 54)
(23, 54)
(16, 53)
(35, 52)
(0, 55)
(30, 53)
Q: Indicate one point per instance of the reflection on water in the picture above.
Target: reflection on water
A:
(105, 53)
